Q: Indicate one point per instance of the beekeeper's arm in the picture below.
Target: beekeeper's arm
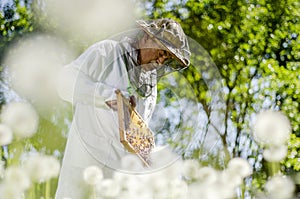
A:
(76, 85)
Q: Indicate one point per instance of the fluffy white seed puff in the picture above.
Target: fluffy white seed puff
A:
(232, 177)
(271, 128)
(42, 167)
(178, 189)
(204, 191)
(108, 188)
(32, 67)
(190, 169)
(6, 135)
(18, 178)
(275, 153)
(280, 187)
(213, 184)
(207, 175)
(133, 184)
(193, 171)
(240, 167)
(10, 192)
(21, 117)
(92, 175)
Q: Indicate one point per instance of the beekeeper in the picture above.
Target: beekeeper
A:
(133, 64)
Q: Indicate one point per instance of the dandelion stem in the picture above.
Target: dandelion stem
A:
(31, 192)
(243, 189)
(93, 192)
(274, 168)
(47, 189)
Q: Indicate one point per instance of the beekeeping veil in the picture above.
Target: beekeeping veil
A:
(169, 34)
(170, 37)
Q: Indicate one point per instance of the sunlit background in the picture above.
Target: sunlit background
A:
(232, 117)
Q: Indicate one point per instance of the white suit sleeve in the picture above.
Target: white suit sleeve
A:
(76, 84)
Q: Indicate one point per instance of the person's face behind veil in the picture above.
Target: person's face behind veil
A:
(152, 55)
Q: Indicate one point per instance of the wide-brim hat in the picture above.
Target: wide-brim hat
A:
(170, 35)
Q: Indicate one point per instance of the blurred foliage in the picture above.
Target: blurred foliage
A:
(19, 19)
(293, 154)
(254, 44)
(15, 21)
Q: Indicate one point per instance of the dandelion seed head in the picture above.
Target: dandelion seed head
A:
(125, 194)
(145, 195)
(227, 191)
(206, 175)
(239, 166)
(21, 117)
(6, 135)
(42, 167)
(141, 193)
(17, 178)
(178, 189)
(92, 175)
(229, 179)
(190, 168)
(54, 167)
(271, 128)
(275, 153)
(127, 181)
(161, 194)
(8, 191)
(121, 178)
(204, 190)
(159, 182)
(108, 188)
(32, 67)
(280, 187)
(141, 189)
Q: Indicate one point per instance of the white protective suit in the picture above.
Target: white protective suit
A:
(88, 82)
